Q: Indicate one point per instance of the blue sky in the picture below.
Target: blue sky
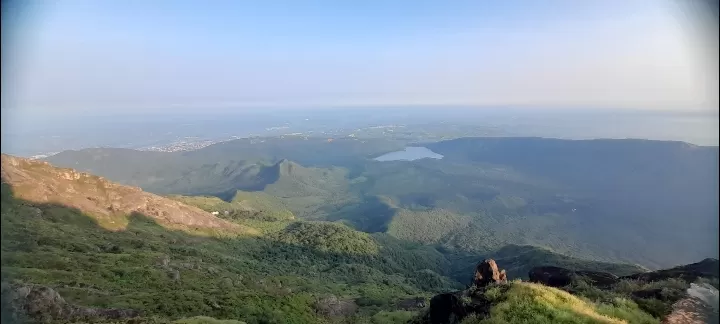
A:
(80, 56)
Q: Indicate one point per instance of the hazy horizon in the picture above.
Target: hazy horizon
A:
(92, 73)
(82, 57)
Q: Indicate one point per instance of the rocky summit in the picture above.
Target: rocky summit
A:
(684, 294)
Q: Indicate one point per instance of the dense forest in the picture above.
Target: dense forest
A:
(585, 198)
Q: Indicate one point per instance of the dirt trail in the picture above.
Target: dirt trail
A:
(700, 307)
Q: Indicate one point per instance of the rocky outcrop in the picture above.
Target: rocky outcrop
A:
(447, 308)
(43, 304)
(490, 288)
(561, 277)
(332, 306)
(451, 308)
(487, 272)
(708, 268)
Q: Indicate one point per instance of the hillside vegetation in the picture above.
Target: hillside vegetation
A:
(243, 206)
(584, 198)
(287, 271)
(558, 295)
(522, 302)
(328, 237)
(171, 274)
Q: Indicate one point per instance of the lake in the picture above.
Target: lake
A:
(409, 154)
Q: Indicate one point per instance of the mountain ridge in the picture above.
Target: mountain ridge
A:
(108, 202)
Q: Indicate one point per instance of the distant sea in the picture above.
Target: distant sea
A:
(32, 135)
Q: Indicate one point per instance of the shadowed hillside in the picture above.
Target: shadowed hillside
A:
(164, 275)
(62, 264)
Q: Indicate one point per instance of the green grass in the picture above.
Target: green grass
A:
(206, 320)
(172, 275)
(385, 317)
(534, 303)
(243, 206)
(670, 291)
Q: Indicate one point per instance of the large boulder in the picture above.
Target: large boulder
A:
(487, 272)
(446, 309)
(452, 308)
(551, 276)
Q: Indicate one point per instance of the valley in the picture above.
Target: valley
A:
(266, 260)
(585, 198)
(278, 230)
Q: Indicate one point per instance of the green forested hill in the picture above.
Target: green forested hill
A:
(169, 274)
(278, 278)
(287, 271)
(243, 206)
(585, 198)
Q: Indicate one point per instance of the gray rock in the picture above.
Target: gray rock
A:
(174, 274)
(333, 306)
(35, 212)
(44, 304)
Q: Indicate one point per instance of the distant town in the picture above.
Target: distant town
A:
(182, 145)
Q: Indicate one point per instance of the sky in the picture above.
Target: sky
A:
(85, 56)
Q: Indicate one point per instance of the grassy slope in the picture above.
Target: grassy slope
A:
(171, 274)
(244, 205)
(534, 303)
